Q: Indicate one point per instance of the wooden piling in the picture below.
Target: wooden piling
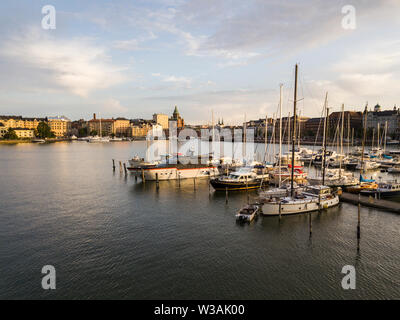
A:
(125, 169)
(194, 184)
(280, 210)
(157, 182)
(226, 195)
(113, 162)
(310, 223)
(359, 220)
(120, 166)
(143, 179)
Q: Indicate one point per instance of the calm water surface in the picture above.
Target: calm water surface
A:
(111, 237)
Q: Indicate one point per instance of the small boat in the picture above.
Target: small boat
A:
(384, 190)
(38, 140)
(115, 139)
(248, 213)
(98, 139)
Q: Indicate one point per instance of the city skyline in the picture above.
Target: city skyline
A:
(134, 59)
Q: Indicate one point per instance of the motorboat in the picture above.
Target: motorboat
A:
(248, 213)
(384, 190)
(242, 179)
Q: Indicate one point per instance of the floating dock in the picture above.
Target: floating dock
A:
(386, 205)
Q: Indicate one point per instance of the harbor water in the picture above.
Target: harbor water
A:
(111, 237)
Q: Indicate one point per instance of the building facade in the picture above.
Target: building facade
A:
(391, 117)
(60, 126)
(161, 119)
(21, 122)
(121, 127)
(23, 133)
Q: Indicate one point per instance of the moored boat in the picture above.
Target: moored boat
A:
(248, 213)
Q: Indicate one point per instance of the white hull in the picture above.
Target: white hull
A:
(298, 206)
(175, 173)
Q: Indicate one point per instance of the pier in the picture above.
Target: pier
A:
(386, 205)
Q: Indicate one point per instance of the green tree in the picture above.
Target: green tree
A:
(11, 135)
(93, 133)
(82, 132)
(43, 131)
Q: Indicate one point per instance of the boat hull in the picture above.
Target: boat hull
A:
(174, 173)
(272, 209)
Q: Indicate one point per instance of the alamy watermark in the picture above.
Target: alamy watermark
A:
(49, 280)
(49, 20)
(349, 280)
(349, 21)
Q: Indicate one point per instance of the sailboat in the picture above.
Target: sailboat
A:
(99, 138)
(312, 197)
(364, 183)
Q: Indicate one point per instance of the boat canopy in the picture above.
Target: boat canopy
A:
(362, 179)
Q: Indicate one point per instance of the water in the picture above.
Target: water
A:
(111, 237)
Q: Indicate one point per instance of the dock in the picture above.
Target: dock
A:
(386, 205)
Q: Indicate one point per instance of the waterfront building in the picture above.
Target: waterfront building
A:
(161, 119)
(180, 123)
(59, 125)
(121, 127)
(3, 130)
(21, 122)
(379, 116)
(23, 133)
(107, 126)
(140, 127)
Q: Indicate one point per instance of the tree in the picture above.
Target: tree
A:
(43, 131)
(11, 135)
(93, 133)
(82, 132)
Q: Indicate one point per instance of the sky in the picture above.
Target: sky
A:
(135, 58)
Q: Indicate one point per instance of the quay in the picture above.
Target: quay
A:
(386, 205)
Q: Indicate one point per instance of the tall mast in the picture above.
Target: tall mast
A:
(348, 134)
(265, 139)
(325, 138)
(280, 132)
(294, 130)
(378, 145)
(363, 141)
(341, 143)
(384, 146)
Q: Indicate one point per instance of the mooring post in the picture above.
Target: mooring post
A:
(280, 210)
(120, 166)
(310, 223)
(179, 179)
(113, 161)
(143, 179)
(247, 191)
(359, 220)
(194, 184)
(125, 168)
(226, 195)
(157, 182)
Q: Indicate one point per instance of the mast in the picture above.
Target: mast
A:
(294, 130)
(384, 146)
(348, 134)
(325, 138)
(341, 144)
(280, 133)
(363, 141)
(265, 139)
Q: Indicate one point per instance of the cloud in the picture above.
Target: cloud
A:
(176, 81)
(112, 107)
(74, 65)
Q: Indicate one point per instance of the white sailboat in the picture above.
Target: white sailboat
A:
(311, 198)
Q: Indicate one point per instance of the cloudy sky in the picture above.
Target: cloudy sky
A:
(135, 58)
